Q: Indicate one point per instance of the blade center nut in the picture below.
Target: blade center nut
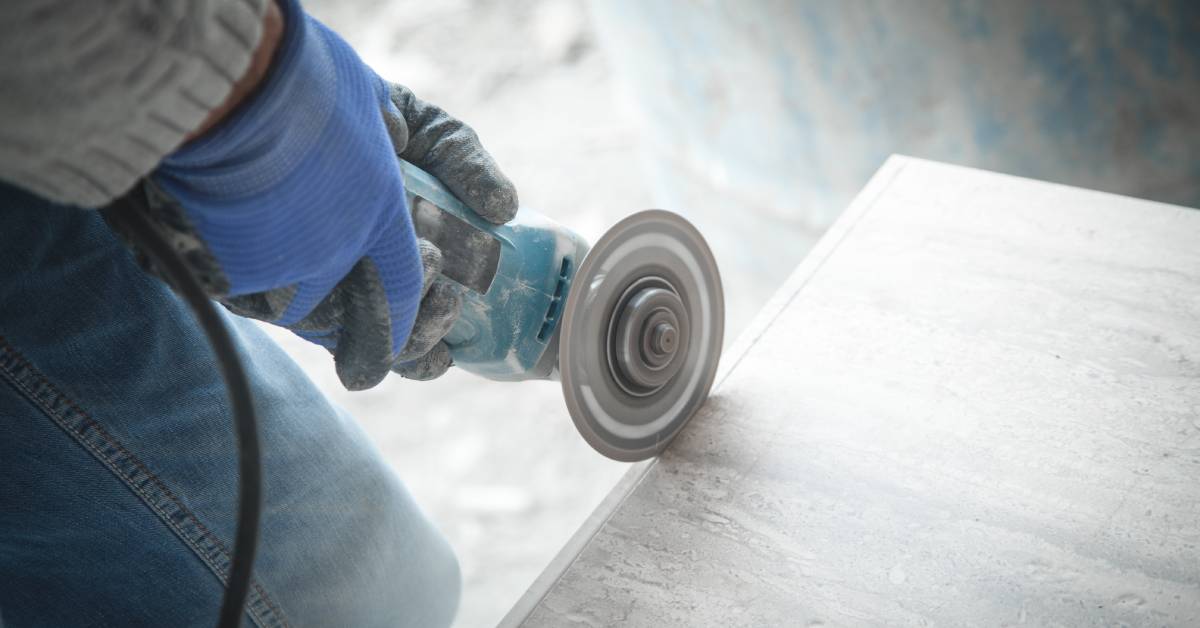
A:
(655, 353)
(651, 337)
(662, 340)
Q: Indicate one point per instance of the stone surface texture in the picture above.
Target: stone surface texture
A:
(976, 402)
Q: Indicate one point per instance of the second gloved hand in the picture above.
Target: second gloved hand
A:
(293, 209)
(425, 355)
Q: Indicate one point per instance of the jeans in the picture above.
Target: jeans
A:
(118, 471)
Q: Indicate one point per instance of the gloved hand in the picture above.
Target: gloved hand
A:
(293, 211)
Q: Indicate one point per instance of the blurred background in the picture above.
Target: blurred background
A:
(758, 120)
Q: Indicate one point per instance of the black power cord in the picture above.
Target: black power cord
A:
(126, 215)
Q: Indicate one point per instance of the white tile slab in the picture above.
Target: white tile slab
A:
(977, 402)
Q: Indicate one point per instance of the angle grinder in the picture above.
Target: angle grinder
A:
(632, 326)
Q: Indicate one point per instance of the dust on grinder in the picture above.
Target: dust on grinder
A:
(641, 335)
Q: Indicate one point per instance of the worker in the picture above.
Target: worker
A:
(266, 150)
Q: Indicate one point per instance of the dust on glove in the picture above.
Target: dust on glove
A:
(293, 210)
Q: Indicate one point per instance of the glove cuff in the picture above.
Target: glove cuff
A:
(263, 140)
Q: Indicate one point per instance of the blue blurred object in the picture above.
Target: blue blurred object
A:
(788, 107)
(513, 278)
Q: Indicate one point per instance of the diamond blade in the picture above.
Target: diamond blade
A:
(641, 335)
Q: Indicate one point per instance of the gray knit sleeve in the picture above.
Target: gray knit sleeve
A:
(93, 94)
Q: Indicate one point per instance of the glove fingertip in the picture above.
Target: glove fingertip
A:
(432, 365)
(393, 119)
(364, 347)
(397, 130)
(431, 262)
(500, 206)
(486, 190)
(439, 311)
(356, 376)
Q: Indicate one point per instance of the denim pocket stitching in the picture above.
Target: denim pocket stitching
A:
(210, 549)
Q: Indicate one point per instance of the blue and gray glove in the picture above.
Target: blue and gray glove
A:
(292, 210)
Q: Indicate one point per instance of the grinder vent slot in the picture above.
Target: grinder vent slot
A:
(552, 310)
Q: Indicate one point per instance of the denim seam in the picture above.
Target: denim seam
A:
(86, 431)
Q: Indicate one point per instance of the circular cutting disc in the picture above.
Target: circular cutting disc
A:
(641, 334)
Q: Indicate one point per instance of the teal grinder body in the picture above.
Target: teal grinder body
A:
(631, 327)
(513, 279)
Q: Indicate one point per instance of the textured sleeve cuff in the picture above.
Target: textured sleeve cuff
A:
(98, 93)
(263, 140)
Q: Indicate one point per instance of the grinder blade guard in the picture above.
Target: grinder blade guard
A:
(641, 335)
